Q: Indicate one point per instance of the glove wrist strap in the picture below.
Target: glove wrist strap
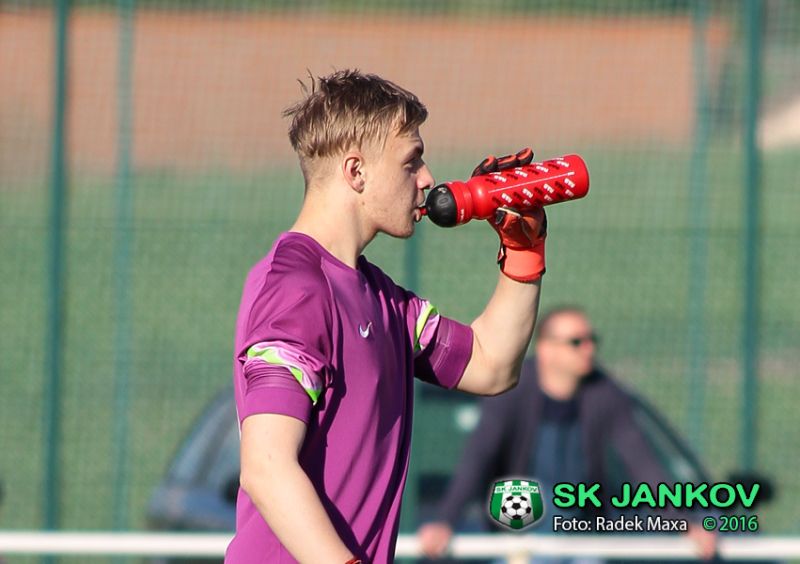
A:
(522, 265)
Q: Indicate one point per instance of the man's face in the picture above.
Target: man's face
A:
(568, 345)
(395, 185)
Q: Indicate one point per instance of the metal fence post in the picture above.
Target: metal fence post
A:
(698, 229)
(752, 177)
(56, 276)
(123, 233)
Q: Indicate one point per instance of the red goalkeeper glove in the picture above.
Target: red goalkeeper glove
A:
(522, 234)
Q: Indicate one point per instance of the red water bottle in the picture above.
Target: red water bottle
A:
(535, 184)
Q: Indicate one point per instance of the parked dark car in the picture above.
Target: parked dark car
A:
(199, 490)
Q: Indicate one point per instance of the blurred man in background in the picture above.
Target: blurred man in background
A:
(557, 425)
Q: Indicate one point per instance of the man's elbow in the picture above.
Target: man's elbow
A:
(497, 373)
(496, 377)
(249, 482)
(504, 384)
(256, 477)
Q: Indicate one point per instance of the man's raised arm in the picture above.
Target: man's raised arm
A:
(501, 337)
(504, 329)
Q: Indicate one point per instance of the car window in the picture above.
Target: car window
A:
(200, 446)
(670, 450)
(224, 466)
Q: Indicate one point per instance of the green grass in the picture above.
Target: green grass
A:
(623, 253)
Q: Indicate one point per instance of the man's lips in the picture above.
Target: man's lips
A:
(421, 208)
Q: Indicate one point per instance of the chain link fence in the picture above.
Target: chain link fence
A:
(144, 166)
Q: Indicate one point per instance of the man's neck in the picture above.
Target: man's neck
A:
(557, 385)
(334, 225)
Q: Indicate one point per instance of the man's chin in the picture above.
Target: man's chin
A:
(404, 233)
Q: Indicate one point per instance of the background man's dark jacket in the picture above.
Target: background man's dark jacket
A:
(501, 444)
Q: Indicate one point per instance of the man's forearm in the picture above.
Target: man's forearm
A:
(501, 336)
(505, 327)
(281, 486)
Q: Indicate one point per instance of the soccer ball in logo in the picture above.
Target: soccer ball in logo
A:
(517, 508)
(516, 503)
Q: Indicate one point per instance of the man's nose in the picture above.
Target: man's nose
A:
(425, 179)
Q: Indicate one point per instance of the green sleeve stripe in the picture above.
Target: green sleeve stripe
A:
(422, 320)
(271, 355)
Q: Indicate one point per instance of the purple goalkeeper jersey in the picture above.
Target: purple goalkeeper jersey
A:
(338, 348)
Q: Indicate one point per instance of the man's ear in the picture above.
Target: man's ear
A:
(353, 170)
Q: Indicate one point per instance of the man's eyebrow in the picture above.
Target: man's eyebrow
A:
(417, 151)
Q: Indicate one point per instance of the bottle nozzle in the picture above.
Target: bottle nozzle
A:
(441, 206)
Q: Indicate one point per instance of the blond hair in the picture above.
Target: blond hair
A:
(348, 109)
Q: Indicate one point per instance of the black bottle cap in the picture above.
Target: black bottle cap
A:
(441, 205)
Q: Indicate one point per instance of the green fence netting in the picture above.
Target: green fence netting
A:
(178, 175)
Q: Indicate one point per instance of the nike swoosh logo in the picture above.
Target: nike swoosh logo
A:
(365, 332)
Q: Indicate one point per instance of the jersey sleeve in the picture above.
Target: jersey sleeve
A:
(442, 346)
(286, 350)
